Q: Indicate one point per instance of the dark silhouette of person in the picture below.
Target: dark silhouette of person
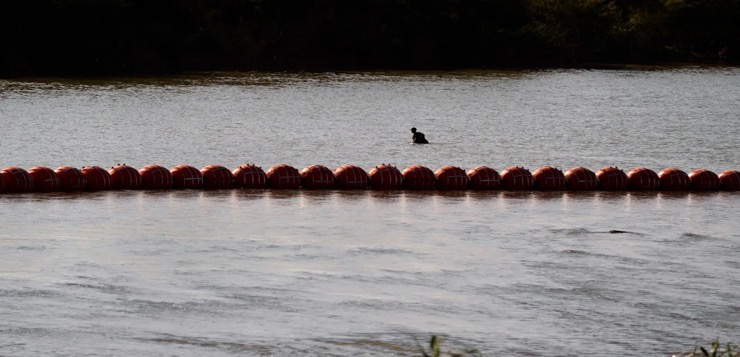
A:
(418, 137)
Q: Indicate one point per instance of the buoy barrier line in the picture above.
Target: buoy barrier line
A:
(381, 177)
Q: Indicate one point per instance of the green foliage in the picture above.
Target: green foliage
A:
(99, 37)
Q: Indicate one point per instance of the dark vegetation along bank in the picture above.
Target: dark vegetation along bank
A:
(105, 37)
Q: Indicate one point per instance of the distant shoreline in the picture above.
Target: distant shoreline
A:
(93, 39)
(583, 66)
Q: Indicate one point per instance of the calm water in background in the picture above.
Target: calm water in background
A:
(372, 273)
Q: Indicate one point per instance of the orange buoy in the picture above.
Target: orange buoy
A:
(17, 179)
(642, 178)
(548, 178)
(44, 179)
(124, 177)
(580, 179)
(317, 177)
(385, 177)
(186, 177)
(283, 176)
(249, 176)
(673, 179)
(452, 178)
(71, 178)
(97, 178)
(704, 180)
(418, 177)
(730, 180)
(611, 179)
(155, 177)
(484, 178)
(217, 177)
(516, 178)
(351, 177)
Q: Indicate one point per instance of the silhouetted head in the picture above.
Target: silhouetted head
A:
(413, 130)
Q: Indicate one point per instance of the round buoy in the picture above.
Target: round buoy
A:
(249, 176)
(516, 178)
(317, 177)
(124, 177)
(186, 177)
(580, 179)
(351, 177)
(71, 179)
(155, 177)
(730, 180)
(283, 176)
(2, 184)
(44, 179)
(217, 177)
(451, 178)
(611, 179)
(704, 180)
(418, 177)
(17, 179)
(385, 177)
(673, 179)
(484, 178)
(97, 178)
(549, 178)
(642, 178)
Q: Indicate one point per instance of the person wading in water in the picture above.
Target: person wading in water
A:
(418, 137)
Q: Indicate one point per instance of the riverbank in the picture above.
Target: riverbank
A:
(134, 37)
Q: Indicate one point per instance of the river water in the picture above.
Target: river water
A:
(336, 273)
